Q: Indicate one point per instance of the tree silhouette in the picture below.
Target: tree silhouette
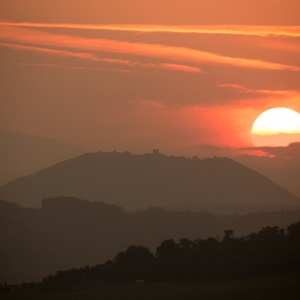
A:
(266, 252)
(228, 234)
(167, 248)
(134, 263)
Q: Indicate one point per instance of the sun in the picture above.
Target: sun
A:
(276, 127)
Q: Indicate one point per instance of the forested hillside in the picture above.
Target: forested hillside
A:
(69, 233)
(271, 250)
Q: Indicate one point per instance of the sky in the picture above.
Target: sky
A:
(186, 77)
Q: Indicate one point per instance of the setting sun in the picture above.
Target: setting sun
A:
(276, 127)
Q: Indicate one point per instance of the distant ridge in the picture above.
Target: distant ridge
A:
(23, 154)
(134, 181)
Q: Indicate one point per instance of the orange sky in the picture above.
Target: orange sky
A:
(137, 75)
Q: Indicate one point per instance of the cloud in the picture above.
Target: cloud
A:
(182, 54)
(66, 67)
(164, 66)
(273, 157)
(291, 151)
(244, 89)
(253, 30)
(182, 68)
(90, 56)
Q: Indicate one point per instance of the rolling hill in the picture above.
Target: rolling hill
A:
(137, 181)
(23, 154)
(285, 177)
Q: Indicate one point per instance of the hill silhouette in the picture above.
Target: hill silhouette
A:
(69, 233)
(135, 181)
(23, 154)
(283, 167)
(285, 177)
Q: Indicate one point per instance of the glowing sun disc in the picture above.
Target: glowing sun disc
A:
(276, 127)
(277, 120)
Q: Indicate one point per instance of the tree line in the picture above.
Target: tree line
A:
(35, 244)
(271, 250)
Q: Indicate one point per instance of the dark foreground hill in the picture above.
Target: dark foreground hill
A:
(135, 181)
(69, 233)
(273, 287)
(271, 250)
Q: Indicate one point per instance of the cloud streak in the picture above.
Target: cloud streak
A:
(182, 54)
(176, 67)
(90, 56)
(291, 151)
(244, 89)
(65, 67)
(253, 30)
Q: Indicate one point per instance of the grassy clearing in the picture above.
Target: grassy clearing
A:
(275, 287)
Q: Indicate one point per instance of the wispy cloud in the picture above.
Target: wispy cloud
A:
(291, 31)
(182, 68)
(90, 56)
(164, 66)
(244, 89)
(141, 49)
(65, 67)
(291, 151)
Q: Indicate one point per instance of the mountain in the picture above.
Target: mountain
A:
(135, 181)
(70, 233)
(23, 154)
(288, 178)
(285, 177)
(284, 169)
